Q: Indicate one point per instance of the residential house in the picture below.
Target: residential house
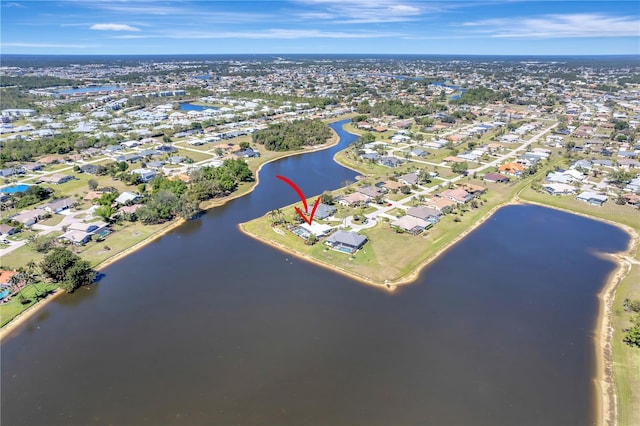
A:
(76, 237)
(29, 217)
(512, 168)
(127, 198)
(425, 213)
(354, 199)
(460, 196)
(145, 174)
(411, 224)
(90, 169)
(346, 241)
(440, 204)
(57, 206)
(369, 191)
(391, 185)
(495, 177)
(323, 211)
(474, 190)
(90, 228)
(56, 179)
(390, 161)
(7, 229)
(408, 179)
(555, 188)
(592, 198)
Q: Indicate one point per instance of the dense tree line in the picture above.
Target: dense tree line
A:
(293, 135)
(479, 95)
(171, 198)
(36, 82)
(12, 97)
(394, 107)
(24, 150)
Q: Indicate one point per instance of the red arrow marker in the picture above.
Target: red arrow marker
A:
(304, 200)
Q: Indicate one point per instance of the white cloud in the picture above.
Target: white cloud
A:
(558, 26)
(49, 45)
(113, 27)
(266, 34)
(13, 4)
(365, 11)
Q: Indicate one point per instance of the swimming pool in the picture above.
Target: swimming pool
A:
(16, 188)
(4, 294)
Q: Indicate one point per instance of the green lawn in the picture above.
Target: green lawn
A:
(13, 308)
(626, 359)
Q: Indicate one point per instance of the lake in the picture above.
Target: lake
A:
(185, 106)
(208, 326)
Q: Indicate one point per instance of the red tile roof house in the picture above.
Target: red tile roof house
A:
(7, 229)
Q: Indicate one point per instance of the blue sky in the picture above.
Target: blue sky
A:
(320, 26)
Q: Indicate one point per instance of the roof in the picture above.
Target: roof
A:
(423, 212)
(410, 223)
(347, 238)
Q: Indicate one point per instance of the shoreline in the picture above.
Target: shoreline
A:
(389, 286)
(22, 317)
(606, 407)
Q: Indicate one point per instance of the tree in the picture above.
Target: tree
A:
(105, 212)
(327, 198)
(65, 268)
(460, 168)
(93, 184)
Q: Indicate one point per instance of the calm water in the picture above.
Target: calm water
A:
(185, 106)
(207, 326)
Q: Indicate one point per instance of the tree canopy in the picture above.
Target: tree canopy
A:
(293, 135)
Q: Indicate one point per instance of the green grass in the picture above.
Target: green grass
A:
(626, 359)
(626, 214)
(13, 308)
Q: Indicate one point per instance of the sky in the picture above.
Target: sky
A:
(507, 27)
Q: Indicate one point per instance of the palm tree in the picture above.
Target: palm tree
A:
(14, 282)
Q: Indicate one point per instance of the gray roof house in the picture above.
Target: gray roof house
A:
(56, 206)
(425, 213)
(323, 211)
(346, 241)
(592, 198)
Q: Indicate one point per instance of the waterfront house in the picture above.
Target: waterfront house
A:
(413, 225)
(323, 211)
(592, 198)
(460, 196)
(76, 237)
(89, 228)
(346, 241)
(317, 229)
